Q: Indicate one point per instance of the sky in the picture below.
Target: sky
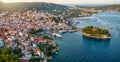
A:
(69, 1)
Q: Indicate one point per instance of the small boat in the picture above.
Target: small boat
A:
(62, 31)
(108, 27)
(56, 53)
(58, 35)
(54, 34)
(71, 31)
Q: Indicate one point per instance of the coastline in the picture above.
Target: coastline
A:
(97, 37)
(98, 46)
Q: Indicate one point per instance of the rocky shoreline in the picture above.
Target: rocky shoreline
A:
(97, 37)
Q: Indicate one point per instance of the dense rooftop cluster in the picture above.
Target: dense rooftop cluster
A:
(16, 25)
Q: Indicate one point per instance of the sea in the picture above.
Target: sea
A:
(76, 48)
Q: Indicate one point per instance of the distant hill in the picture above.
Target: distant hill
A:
(51, 6)
(1, 5)
(33, 5)
(115, 7)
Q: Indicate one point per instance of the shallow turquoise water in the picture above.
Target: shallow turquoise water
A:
(76, 48)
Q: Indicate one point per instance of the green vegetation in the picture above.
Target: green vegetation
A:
(42, 6)
(47, 49)
(74, 28)
(95, 31)
(46, 37)
(38, 59)
(34, 31)
(17, 51)
(74, 13)
(9, 55)
(113, 7)
(56, 19)
(42, 18)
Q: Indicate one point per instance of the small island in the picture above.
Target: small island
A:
(96, 32)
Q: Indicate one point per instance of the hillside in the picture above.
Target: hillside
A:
(1, 6)
(114, 7)
(34, 5)
(110, 7)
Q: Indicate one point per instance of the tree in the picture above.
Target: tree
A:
(74, 28)
(8, 50)
(6, 55)
(98, 31)
(0, 51)
(15, 57)
(17, 51)
(46, 37)
(56, 19)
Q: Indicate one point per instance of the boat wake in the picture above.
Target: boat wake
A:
(101, 21)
